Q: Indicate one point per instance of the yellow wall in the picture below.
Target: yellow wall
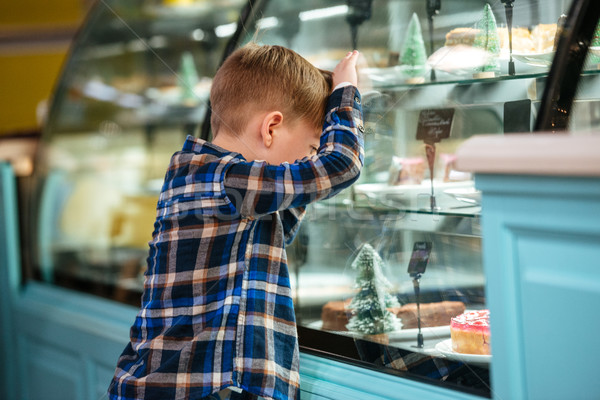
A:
(25, 80)
(41, 12)
(29, 65)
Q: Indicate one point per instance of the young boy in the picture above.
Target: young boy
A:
(217, 310)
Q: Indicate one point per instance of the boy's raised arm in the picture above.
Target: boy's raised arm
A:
(257, 188)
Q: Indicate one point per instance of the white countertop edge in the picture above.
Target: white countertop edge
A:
(531, 154)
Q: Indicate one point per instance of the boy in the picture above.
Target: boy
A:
(217, 316)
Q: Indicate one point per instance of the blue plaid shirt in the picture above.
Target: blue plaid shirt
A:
(217, 309)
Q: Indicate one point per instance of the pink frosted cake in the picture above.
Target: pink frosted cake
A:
(470, 332)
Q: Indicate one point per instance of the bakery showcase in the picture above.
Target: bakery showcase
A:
(389, 275)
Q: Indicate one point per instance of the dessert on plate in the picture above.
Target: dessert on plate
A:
(470, 332)
(335, 314)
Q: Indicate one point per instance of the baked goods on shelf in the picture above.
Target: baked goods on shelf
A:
(540, 39)
(464, 36)
(542, 36)
(432, 314)
(406, 171)
(451, 174)
(470, 332)
(335, 314)
(521, 40)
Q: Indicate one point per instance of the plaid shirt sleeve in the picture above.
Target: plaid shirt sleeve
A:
(291, 220)
(257, 188)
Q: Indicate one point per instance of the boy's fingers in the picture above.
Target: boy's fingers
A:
(351, 54)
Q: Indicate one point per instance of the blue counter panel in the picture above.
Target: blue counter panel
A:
(60, 344)
(541, 239)
(10, 268)
(66, 329)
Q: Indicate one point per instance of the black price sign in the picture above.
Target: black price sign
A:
(435, 125)
(419, 258)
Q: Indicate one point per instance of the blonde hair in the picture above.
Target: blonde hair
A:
(263, 78)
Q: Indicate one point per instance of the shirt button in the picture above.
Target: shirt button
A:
(361, 128)
(357, 99)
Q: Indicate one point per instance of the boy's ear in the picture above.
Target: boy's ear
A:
(271, 122)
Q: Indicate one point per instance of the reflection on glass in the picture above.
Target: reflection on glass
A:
(138, 81)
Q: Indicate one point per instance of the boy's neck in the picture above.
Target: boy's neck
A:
(235, 144)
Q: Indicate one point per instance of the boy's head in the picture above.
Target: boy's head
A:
(259, 79)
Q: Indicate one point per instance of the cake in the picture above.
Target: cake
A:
(543, 37)
(406, 171)
(470, 332)
(451, 174)
(521, 40)
(464, 36)
(335, 314)
(432, 314)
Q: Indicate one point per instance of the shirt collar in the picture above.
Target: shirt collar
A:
(197, 145)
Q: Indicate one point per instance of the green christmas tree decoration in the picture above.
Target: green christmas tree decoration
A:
(488, 40)
(188, 78)
(593, 57)
(596, 38)
(413, 55)
(370, 304)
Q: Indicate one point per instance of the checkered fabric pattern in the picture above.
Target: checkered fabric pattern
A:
(217, 309)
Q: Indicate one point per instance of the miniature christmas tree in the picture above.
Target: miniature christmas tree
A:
(596, 38)
(188, 78)
(489, 40)
(370, 304)
(413, 55)
(594, 55)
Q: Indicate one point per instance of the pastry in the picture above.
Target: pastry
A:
(464, 36)
(432, 314)
(406, 171)
(470, 332)
(451, 174)
(521, 40)
(335, 316)
(543, 37)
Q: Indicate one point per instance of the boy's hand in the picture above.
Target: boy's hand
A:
(345, 71)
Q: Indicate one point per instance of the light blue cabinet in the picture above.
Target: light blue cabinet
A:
(61, 344)
(541, 241)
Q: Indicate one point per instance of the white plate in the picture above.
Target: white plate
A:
(422, 188)
(467, 195)
(403, 334)
(445, 347)
(431, 332)
(410, 195)
(398, 74)
(458, 60)
(595, 50)
(535, 59)
(546, 59)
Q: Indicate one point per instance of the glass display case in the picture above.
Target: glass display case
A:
(431, 73)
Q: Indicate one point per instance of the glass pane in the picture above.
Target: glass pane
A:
(136, 84)
(427, 86)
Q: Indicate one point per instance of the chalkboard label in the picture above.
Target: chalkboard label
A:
(419, 258)
(435, 125)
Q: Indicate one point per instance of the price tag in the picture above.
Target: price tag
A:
(435, 125)
(419, 258)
